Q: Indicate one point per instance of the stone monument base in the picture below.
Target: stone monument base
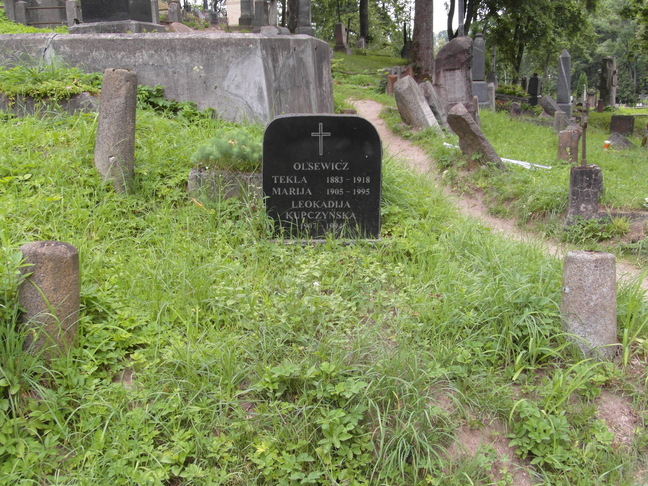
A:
(117, 27)
(567, 108)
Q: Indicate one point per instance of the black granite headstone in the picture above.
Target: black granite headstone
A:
(322, 176)
(115, 10)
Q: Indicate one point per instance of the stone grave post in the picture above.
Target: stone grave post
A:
(589, 302)
(115, 145)
(568, 144)
(564, 83)
(322, 176)
(479, 85)
(50, 296)
(608, 81)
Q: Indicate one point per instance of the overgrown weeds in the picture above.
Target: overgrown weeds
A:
(211, 354)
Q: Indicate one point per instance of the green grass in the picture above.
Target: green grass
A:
(211, 354)
(539, 198)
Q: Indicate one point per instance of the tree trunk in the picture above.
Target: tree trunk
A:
(423, 41)
(364, 19)
(451, 33)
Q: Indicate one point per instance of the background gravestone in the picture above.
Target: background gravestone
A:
(533, 89)
(564, 83)
(452, 75)
(479, 85)
(322, 175)
(622, 124)
(608, 81)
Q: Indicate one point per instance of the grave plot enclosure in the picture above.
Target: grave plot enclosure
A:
(322, 176)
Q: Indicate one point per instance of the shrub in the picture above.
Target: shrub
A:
(511, 90)
(236, 149)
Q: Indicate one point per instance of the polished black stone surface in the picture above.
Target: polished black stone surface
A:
(322, 176)
(113, 10)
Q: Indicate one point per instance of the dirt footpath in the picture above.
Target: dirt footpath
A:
(418, 161)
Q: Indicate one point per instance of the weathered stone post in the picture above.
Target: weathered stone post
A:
(50, 295)
(568, 144)
(585, 189)
(589, 304)
(115, 146)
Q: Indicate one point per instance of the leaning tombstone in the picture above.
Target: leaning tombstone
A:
(589, 303)
(50, 296)
(412, 106)
(472, 140)
(619, 142)
(549, 105)
(322, 176)
(564, 83)
(435, 104)
(115, 145)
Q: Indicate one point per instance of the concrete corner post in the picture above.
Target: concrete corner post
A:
(589, 302)
(50, 296)
(115, 145)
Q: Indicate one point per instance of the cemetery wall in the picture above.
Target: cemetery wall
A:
(244, 77)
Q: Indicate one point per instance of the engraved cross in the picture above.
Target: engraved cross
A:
(321, 134)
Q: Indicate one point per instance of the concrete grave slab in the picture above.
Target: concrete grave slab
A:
(243, 77)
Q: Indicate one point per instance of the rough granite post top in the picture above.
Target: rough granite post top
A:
(36, 247)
